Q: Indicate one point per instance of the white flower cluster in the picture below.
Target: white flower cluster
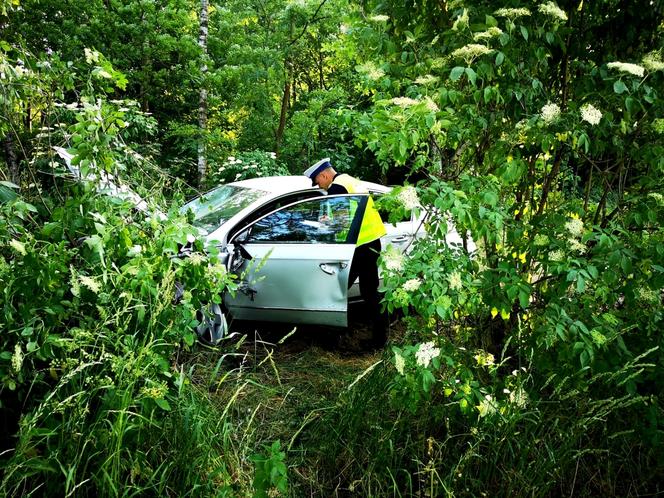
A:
(653, 61)
(487, 406)
(399, 363)
(577, 246)
(455, 281)
(90, 283)
(371, 71)
(659, 198)
(379, 18)
(393, 260)
(541, 240)
(519, 397)
(407, 196)
(425, 353)
(574, 227)
(550, 112)
(627, 67)
(404, 102)
(427, 79)
(492, 32)
(18, 247)
(556, 256)
(591, 114)
(412, 285)
(470, 52)
(552, 10)
(431, 105)
(512, 13)
(17, 358)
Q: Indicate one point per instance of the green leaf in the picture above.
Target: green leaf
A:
(524, 32)
(619, 87)
(163, 404)
(472, 75)
(500, 57)
(630, 104)
(9, 184)
(456, 73)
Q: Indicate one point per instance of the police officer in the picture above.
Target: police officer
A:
(365, 259)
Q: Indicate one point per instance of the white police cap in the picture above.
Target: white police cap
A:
(313, 171)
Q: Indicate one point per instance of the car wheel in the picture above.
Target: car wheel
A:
(213, 326)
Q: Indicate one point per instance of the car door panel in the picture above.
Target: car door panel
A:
(299, 266)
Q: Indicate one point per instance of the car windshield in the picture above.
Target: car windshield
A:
(221, 204)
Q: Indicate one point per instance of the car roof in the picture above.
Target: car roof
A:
(284, 184)
(277, 184)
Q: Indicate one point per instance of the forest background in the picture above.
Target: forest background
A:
(534, 367)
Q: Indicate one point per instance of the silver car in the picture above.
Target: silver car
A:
(292, 245)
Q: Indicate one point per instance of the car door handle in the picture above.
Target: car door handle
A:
(329, 267)
(400, 238)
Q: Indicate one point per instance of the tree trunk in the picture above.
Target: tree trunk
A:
(285, 104)
(202, 101)
(10, 158)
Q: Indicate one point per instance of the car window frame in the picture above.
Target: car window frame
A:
(353, 231)
(271, 206)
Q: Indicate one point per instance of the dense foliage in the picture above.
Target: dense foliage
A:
(532, 353)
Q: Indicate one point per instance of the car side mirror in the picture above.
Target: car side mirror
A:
(243, 236)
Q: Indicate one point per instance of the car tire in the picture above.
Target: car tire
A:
(213, 326)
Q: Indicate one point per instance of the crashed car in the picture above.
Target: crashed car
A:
(292, 245)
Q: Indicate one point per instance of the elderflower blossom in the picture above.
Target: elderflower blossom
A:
(90, 283)
(455, 281)
(659, 199)
(647, 295)
(556, 255)
(541, 240)
(550, 112)
(591, 114)
(393, 260)
(574, 227)
(487, 406)
(412, 285)
(552, 10)
(431, 105)
(627, 67)
(577, 246)
(653, 61)
(404, 102)
(512, 13)
(18, 247)
(379, 18)
(470, 52)
(425, 353)
(519, 397)
(17, 358)
(371, 71)
(196, 259)
(427, 79)
(399, 363)
(492, 32)
(408, 198)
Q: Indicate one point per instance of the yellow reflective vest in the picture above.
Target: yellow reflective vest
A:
(372, 226)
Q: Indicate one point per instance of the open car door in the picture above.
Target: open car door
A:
(296, 260)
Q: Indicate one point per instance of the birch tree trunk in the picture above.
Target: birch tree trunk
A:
(202, 100)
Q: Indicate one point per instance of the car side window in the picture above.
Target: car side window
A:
(327, 220)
